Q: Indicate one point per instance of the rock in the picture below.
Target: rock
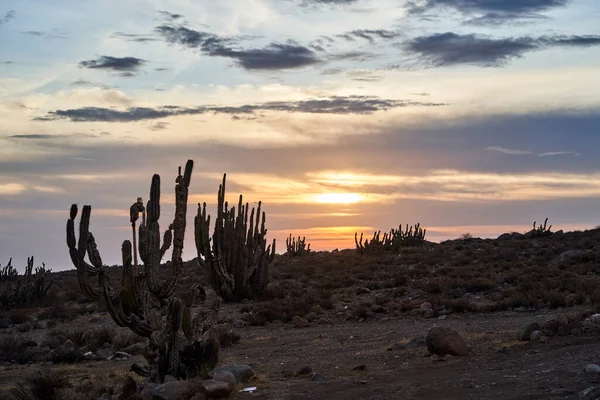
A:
(129, 390)
(225, 376)
(482, 305)
(304, 371)
(426, 306)
(176, 390)
(363, 290)
(239, 323)
(569, 329)
(361, 367)
(310, 317)
(317, 377)
(594, 318)
(550, 327)
(376, 308)
(442, 341)
(536, 336)
(120, 355)
(524, 334)
(68, 345)
(134, 349)
(323, 321)
(216, 389)
(242, 373)
(299, 322)
(442, 317)
(592, 369)
(591, 393)
(428, 314)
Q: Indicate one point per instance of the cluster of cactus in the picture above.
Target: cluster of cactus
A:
(392, 241)
(236, 258)
(26, 290)
(8, 272)
(297, 247)
(541, 230)
(181, 342)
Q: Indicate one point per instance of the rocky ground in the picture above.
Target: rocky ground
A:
(338, 325)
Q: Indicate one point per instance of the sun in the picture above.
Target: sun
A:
(338, 198)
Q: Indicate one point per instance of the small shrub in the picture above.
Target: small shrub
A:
(43, 385)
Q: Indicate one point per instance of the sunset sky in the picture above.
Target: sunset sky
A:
(475, 116)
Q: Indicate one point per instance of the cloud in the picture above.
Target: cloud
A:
(44, 136)
(489, 11)
(330, 105)
(507, 151)
(329, 2)
(502, 18)
(274, 56)
(370, 34)
(443, 49)
(7, 17)
(33, 136)
(170, 16)
(126, 65)
(559, 153)
(135, 37)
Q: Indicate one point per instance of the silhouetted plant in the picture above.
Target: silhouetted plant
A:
(8, 272)
(392, 241)
(26, 290)
(541, 230)
(236, 259)
(297, 247)
(179, 344)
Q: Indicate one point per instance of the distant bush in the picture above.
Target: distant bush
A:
(43, 385)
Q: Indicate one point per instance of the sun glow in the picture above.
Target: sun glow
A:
(338, 198)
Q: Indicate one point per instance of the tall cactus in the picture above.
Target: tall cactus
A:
(236, 263)
(26, 290)
(144, 303)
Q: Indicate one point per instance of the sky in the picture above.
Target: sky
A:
(341, 116)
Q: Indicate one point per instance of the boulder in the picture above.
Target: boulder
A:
(299, 322)
(443, 341)
(242, 373)
(524, 334)
(216, 389)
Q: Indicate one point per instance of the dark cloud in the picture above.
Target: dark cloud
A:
(33, 136)
(7, 17)
(502, 18)
(179, 34)
(369, 34)
(442, 49)
(135, 37)
(127, 66)
(330, 105)
(44, 136)
(170, 16)
(159, 126)
(489, 11)
(275, 56)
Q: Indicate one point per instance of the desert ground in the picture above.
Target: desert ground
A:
(340, 325)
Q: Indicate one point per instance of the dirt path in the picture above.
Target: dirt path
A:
(499, 367)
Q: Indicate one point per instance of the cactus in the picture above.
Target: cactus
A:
(236, 263)
(26, 290)
(541, 230)
(8, 272)
(143, 303)
(297, 247)
(392, 241)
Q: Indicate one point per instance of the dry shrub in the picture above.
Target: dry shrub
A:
(43, 385)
